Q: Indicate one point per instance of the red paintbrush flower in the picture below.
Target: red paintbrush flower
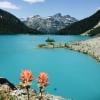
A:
(43, 79)
(26, 78)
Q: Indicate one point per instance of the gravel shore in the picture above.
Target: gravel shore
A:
(90, 47)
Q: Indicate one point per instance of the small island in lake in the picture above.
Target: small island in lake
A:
(90, 47)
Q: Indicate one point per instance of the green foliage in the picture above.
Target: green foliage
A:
(41, 45)
(19, 86)
(50, 43)
(50, 40)
(6, 96)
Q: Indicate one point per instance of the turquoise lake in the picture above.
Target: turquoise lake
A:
(71, 74)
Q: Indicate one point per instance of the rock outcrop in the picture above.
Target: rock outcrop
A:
(9, 92)
(6, 85)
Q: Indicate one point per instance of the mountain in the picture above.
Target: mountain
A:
(81, 26)
(9, 24)
(50, 24)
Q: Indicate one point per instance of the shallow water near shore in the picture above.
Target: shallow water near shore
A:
(71, 74)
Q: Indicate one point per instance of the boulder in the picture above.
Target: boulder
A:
(6, 85)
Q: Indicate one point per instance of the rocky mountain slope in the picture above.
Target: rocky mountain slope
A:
(82, 26)
(95, 31)
(50, 24)
(9, 24)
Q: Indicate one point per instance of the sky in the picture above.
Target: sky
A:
(76, 8)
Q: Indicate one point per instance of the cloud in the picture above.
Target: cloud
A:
(8, 5)
(34, 1)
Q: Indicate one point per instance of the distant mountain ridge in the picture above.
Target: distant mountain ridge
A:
(56, 24)
(9, 24)
(82, 26)
(50, 24)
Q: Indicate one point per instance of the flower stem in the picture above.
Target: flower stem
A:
(27, 88)
(41, 93)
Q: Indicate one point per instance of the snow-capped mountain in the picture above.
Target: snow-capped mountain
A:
(50, 24)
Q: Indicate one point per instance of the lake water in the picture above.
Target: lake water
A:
(71, 74)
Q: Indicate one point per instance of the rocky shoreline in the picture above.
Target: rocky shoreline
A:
(8, 91)
(90, 47)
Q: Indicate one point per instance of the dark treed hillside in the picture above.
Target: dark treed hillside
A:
(9, 24)
(82, 25)
(95, 31)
